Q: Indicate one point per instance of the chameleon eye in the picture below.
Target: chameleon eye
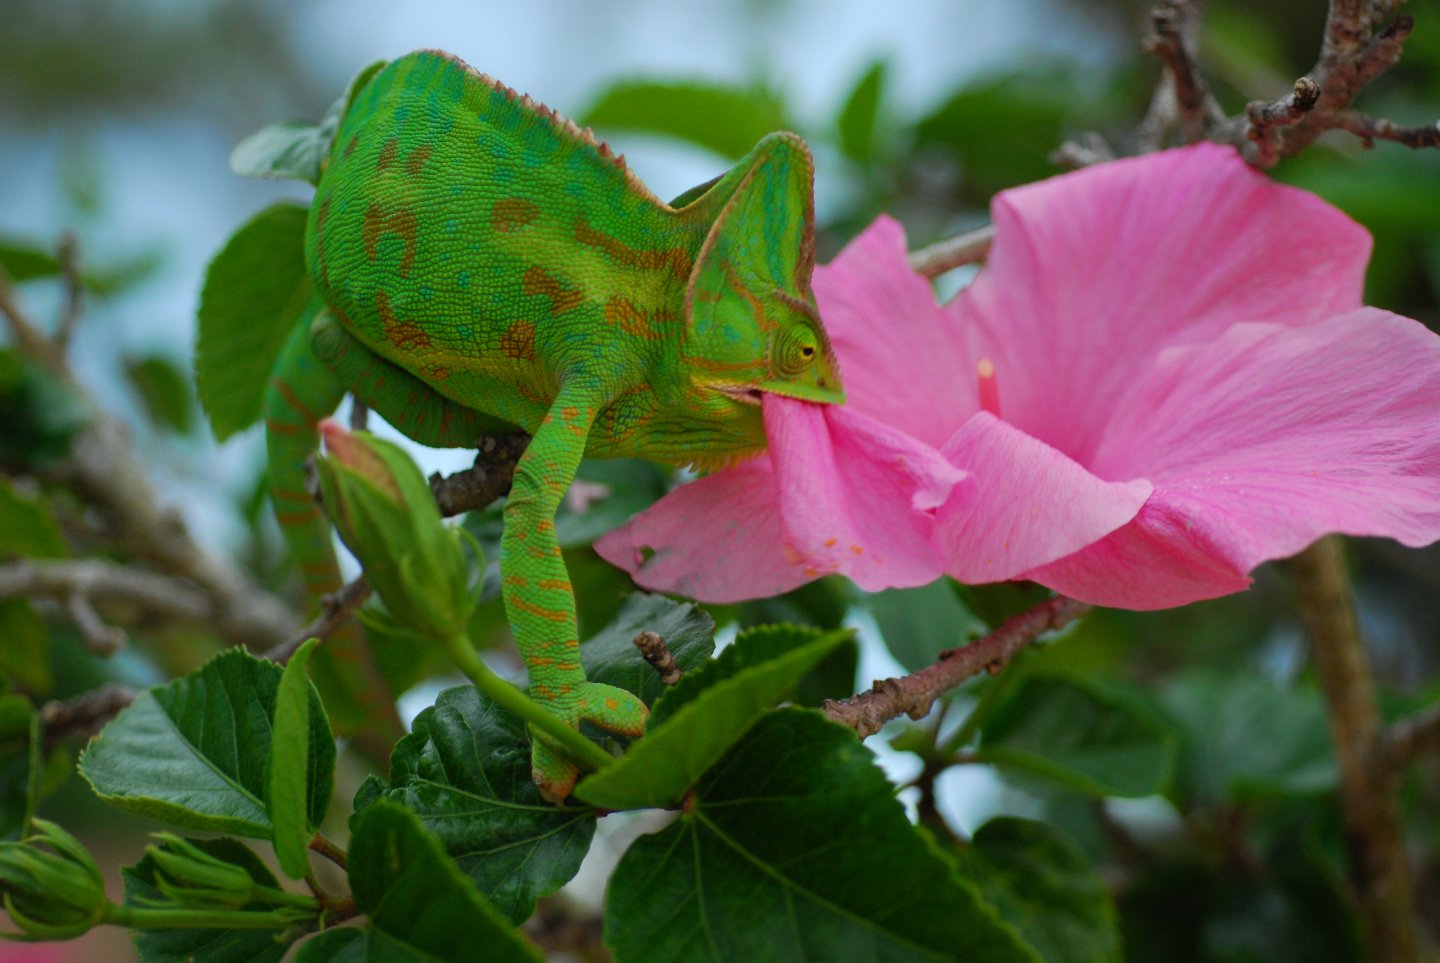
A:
(796, 352)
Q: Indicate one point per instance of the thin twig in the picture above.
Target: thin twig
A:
(100, 638)
(1369, 793)
(74, 305)
(1175, 25)
(654, 650)
(968, 248)
(84, 714)
(914, 694)
(1408, 739)
(1370, 129)
(477, 487)
(335, 609)
(322, 845)
(1265, 119)
(108, 583)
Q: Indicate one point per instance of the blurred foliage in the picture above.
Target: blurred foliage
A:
(1209, 714)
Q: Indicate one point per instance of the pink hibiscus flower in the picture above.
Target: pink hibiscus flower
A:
(1162, 377)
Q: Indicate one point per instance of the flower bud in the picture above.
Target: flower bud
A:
(386, 514)
(55, 893)
(190, 877)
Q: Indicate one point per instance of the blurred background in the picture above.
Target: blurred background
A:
(116, 121)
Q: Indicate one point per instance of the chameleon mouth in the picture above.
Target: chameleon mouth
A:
(741, 393)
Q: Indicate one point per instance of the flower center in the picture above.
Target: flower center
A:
(989, 387)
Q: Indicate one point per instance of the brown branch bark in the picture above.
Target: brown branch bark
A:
(1369, 791)
(1408, 739)
(83, 714)
(1175, 24)
(477, 487)
(968, 248)
(335, 609)
(914, 694)
(654, 650)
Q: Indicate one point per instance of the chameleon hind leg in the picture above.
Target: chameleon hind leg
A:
(415, 409)
(539, 600)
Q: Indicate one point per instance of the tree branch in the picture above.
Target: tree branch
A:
(654, 650)
(1175, 24)
(946, 255)
(1369, 791)
(1408, 739)
(84, 714)
(477, 487)
(335, 609)
(914, 694)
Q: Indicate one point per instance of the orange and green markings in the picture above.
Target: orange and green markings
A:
(484, 261)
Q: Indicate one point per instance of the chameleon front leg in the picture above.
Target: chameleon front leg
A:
(538, 598)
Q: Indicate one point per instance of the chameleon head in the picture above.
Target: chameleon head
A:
(752, 323)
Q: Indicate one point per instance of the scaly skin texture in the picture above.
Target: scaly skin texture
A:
(484, 260)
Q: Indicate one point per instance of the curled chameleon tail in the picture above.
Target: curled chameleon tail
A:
(484, 264)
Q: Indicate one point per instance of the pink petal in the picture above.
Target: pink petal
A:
(1093, 272)
(716, 539)
(857, 496)
(1261, 442)
(901, 360)
(1029, 505)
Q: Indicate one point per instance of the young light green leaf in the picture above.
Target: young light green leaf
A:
(296, 149)
(611, 656)
(296, 791)
(726, 119)
(418, 901)
(256, 291)
(465, 771)
(794, 848)
(706, 712)
(857, 121)
(1045, 887)
(196, 752)
(232, 945)
(1091, 738)
(920, 623)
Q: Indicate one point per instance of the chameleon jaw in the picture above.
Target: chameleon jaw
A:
(745, 394)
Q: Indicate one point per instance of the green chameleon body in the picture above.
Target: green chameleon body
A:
(484, 261)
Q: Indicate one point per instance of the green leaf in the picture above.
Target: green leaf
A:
(1218, 716)
(920, 623)
(726, 119)
(1042, 883)
(23, 262)
(210, 945)
(297, 792)
(163, 390)
(296, 149)
(706, 712)
(20, 764)
(256, 290)
(39, 411)
(994, 603)
(465, 771)
(418, 901)
(832, 678)
(856, 123)
(1094, 739)
(611, 656)
(196, 752)
(794, 848)
(27, 526)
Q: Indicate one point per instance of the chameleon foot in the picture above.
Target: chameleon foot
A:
(608, 707)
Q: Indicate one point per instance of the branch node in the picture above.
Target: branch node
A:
(653, 648)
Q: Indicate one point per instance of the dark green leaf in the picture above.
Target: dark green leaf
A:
(296, 149)
(196, 752)
(822, 603)
(605, 495)
(465, 770)
(22, 261)
(296, 791)
(920, 623)
(255, 292)
(1218, 716)
(164, 391)
(994, 603)
(27, 528)
(857, 121)
(611, 656)
(726, 119)
(794, 848)
(1094, 739)
(419, 900)
(39, 411)
(1045, 887)
(210, 945)
(19, 764)
(706, 712)
(832, 678)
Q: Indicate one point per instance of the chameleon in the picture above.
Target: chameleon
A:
(486, 264)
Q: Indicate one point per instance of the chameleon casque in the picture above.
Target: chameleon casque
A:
(484, 264)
